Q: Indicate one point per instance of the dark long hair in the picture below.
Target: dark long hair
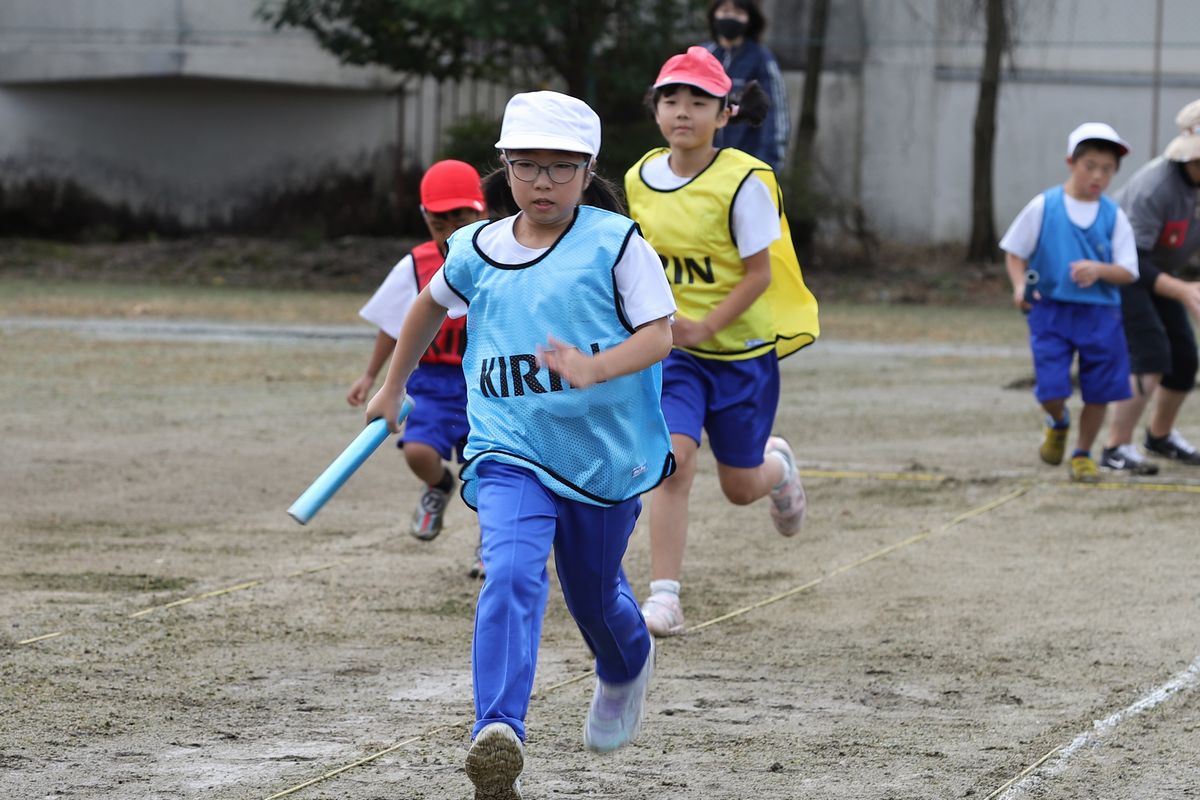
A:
(601, 193)
(754, 28)
(752, 104)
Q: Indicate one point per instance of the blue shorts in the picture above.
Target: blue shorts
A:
(439, 418)
(733, 401)
(1057, 331)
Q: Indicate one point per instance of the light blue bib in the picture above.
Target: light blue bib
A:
(1061, 241)
(600, 445)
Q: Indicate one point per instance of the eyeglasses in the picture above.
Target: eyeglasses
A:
(559, 172)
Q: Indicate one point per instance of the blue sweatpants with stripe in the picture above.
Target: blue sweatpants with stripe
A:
(520, 520)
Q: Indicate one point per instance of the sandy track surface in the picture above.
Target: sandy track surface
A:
(952, 613)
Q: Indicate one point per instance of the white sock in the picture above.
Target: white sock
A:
(670, 587)
(787, 472)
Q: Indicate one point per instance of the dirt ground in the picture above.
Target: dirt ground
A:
(952, 613)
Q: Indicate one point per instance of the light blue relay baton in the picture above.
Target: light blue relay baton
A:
(329, 481)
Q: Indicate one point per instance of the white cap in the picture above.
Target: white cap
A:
(549, 121)
(1095, 130)
(1186, 146)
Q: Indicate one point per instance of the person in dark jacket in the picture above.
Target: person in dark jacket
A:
(736, 26)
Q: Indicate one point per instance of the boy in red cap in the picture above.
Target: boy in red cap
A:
(437, 428)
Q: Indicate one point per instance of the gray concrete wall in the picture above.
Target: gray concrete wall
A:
(1075, 61)
(67, 40)
(202, 153)
(194, 115)
(896, 137)
(194, 110)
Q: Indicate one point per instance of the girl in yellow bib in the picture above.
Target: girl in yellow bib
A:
(715, 217)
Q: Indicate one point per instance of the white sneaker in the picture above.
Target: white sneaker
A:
(494, 763)
(663, 614)
(615, 717)
(789, 505)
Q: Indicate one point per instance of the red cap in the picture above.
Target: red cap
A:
(697, 67)
(450, 184)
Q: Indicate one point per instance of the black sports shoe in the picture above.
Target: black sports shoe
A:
(1125, 457)
(1173, 446)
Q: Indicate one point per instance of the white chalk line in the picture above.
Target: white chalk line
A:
(1032, 775)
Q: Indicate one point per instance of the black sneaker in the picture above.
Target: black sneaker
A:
(1173, 446)
(1125, 457)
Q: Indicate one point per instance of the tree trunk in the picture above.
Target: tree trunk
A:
(983, 228)
(818, 19)
(802, 171)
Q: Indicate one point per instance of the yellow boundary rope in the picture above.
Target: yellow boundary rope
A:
(920, 537)
(906, 477)
(202, 596)
(366, 760)
(1022, 774)
(932, 477)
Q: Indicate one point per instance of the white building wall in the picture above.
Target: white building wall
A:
(905, 156)
(899, 112)
(1075, 61)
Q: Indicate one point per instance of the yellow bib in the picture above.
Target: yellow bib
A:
(690, 229)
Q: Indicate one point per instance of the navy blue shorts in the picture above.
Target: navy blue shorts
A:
(733, 401)
(439, 418)
(1057, 331)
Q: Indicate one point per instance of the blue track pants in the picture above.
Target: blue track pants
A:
(520, 520)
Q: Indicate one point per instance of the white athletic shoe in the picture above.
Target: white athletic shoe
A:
(789, 504)
(663, 614)
(494, 763)
(615, 717)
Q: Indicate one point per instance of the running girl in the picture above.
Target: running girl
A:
(569, 317)
(715, 216)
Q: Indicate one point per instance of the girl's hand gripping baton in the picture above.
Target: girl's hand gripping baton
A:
(329, 481)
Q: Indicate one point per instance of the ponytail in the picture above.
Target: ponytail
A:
(751, 107)
(603, 193)
(498, 195)
(600, 192)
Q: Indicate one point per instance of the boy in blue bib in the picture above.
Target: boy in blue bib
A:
(1067, 253)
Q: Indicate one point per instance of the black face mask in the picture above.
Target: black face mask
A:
(729, 28)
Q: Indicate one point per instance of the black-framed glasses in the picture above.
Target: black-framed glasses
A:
(559, 172)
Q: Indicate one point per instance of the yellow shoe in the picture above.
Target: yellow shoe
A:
(1084, 469)
(1054, 444)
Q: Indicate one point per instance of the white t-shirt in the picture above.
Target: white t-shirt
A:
(755, 218)
(1022, 236)
(642, 285)
(388, 307)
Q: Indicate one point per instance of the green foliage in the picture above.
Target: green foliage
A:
(472, 139)
(606, 51)
(624, 143)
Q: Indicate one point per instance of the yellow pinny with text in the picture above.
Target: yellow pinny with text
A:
(691, 230)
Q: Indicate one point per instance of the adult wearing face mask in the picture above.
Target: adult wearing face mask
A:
(736, 26)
